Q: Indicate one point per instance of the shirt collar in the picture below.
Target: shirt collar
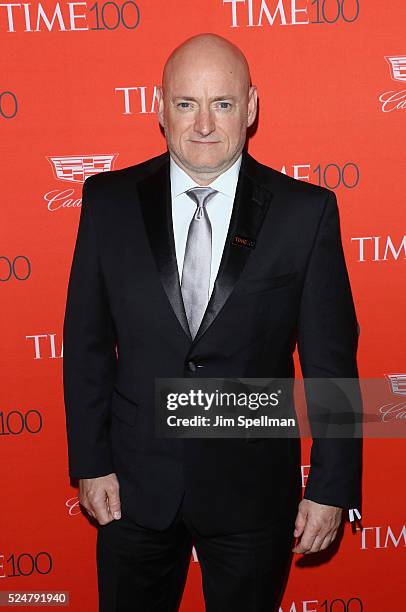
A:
(226, 183)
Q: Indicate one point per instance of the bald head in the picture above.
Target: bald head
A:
(204, 50)
(206, 103)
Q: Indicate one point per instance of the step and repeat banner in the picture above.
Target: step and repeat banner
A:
(78, 96)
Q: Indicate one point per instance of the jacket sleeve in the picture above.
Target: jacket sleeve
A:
(327, 346)
(89, 362)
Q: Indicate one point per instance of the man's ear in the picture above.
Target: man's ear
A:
(160, 112)
(252, 105)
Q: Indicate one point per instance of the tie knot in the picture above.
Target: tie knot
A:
(201, 195)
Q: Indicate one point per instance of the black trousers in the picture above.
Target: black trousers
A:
(144, 570)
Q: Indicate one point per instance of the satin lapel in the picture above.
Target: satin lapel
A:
(155, 197)
(250, 207)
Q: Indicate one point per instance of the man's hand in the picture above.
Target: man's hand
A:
(100, 498)
(317, 524)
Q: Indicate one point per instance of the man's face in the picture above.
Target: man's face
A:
(205, 109)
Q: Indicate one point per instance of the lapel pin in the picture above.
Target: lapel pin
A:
(242, 241)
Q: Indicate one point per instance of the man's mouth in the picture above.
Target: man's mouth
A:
(206, 142)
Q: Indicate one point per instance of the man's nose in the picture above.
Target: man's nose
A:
(204, 123)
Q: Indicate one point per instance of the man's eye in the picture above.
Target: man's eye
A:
(183, 104)
(225, 105)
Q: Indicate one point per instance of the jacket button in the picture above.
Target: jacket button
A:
(191, 366)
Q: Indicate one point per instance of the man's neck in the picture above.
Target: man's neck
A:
(205, 178)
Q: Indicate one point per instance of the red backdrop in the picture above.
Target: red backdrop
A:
(76, 97)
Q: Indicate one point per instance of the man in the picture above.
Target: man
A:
(202, 262)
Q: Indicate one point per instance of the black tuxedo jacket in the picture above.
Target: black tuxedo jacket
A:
(125, 324)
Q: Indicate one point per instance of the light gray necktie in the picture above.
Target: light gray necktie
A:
(197, 261)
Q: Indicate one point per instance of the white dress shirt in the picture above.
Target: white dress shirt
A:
(219, 209)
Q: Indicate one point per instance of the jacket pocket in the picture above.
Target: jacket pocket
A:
(258, 285)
